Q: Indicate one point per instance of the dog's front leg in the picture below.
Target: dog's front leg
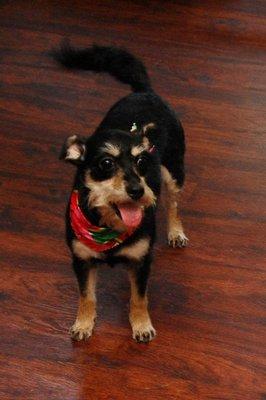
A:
(176, 235)
(86, 275)
(142, 329)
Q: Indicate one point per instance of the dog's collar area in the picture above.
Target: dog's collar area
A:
(97, 238)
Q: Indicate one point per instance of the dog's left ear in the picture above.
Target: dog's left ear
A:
(148, 129)
(150, 134)
(74, 149)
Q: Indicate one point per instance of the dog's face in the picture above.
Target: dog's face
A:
(120, 170)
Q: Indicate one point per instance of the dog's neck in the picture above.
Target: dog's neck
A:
(98, 216)
(97, 238)
(91, 213)
(106, 215)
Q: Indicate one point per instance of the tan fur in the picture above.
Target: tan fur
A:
(142, 329)
(148, 127)
(103, 194)
(118, 181)
(176, 236)
(111, 219)
(83, 251)
(137, 150)
(74, 151)
(146, 145)
(83, 326)
(71, 140)
(169, 181)
(135, 251)
(111, 149)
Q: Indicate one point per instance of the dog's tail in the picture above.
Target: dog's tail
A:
(114, 60)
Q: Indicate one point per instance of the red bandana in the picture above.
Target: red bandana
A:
(96, 238)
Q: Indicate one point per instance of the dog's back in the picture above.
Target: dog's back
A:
(140, 107)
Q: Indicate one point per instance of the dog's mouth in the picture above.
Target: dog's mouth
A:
(130, 213)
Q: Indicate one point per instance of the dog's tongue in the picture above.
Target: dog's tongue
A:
(131, 214)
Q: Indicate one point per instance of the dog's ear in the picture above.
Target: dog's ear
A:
(148, 129)
(149, 132)
(74, 149)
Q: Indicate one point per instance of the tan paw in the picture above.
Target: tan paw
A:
(143, 332)
(81, 331)
(177, 239)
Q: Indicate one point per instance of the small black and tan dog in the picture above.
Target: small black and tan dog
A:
(111, 213)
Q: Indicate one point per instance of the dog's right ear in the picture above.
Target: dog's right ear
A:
(74, 149)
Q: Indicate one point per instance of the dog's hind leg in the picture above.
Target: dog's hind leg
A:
(176, 236)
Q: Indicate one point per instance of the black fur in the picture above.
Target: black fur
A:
(117, 62)
(142, 107)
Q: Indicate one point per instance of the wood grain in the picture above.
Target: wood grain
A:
(208, 301)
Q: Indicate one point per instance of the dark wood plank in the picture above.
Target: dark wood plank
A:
(207, 301)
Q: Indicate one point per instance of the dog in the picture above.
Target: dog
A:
(121, 167)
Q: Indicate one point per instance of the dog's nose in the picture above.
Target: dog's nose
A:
(135, 191)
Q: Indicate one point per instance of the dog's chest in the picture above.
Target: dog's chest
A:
(135, 251)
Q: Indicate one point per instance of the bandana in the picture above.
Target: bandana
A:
(95, 237)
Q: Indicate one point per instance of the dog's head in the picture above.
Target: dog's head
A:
(121, 171)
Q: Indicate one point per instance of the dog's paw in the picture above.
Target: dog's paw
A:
(144, 332)
(177, 239)
(81, 331)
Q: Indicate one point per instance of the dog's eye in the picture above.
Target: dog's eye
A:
(142, 165)
(107, 164)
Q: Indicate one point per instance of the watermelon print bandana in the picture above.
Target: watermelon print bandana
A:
(95, 237)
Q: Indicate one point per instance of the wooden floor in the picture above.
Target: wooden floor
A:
(207, 58)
